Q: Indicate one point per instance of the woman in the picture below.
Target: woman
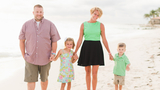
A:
(91, 52)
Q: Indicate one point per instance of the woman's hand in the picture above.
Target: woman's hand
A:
(110, 56)
(75, 56)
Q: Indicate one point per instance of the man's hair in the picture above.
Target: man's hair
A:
(122, 45)
(38, 5)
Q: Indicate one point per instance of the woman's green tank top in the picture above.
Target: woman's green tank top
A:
(92, 31)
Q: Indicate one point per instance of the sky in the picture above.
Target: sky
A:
(114, 11)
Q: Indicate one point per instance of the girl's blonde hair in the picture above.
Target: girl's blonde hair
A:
(70, 39)
(96, 9)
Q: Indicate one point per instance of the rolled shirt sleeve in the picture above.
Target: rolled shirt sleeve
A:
(54, 33)
(22, 33)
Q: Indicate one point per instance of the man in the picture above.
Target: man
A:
(38, 39)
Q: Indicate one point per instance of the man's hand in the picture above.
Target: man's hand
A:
(52, 57)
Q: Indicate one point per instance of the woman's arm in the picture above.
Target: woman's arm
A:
(80, 38)
(104, 40)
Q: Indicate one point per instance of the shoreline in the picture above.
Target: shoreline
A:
(142, 51)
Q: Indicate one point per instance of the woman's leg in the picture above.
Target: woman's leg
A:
(88, 76)
(62, 86)
(94, 76)
(69, 86)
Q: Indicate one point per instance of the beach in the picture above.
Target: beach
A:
(142, 50)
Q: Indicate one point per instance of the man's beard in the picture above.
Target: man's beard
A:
(38, 19)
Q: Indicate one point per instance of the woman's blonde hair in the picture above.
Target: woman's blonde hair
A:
(96, 9)
(70, 39)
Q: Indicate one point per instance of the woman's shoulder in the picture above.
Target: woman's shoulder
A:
(85, 22)
(100, 22)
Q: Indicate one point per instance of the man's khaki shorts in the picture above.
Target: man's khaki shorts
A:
(119, 80)
(32, 71)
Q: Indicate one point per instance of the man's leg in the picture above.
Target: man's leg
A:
(44, 85)
(44, 73)
(31, 75)
(31, 85)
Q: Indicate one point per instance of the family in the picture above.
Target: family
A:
(38, 44)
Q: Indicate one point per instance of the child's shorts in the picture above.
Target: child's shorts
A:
(119, 80)
(32, 71)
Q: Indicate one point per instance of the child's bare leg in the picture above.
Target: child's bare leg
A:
(62, 86)
(69, 86)
(120, 87)
(116, 86)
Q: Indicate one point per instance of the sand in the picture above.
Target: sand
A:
(143, 52)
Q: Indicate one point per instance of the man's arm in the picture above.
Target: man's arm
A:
(57, 56)
(22, 47)
(54, 48)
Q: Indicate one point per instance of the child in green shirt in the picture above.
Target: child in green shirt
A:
(121, 65)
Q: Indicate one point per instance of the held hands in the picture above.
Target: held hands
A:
(74, 58)
(52, 57)
(110, 56)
